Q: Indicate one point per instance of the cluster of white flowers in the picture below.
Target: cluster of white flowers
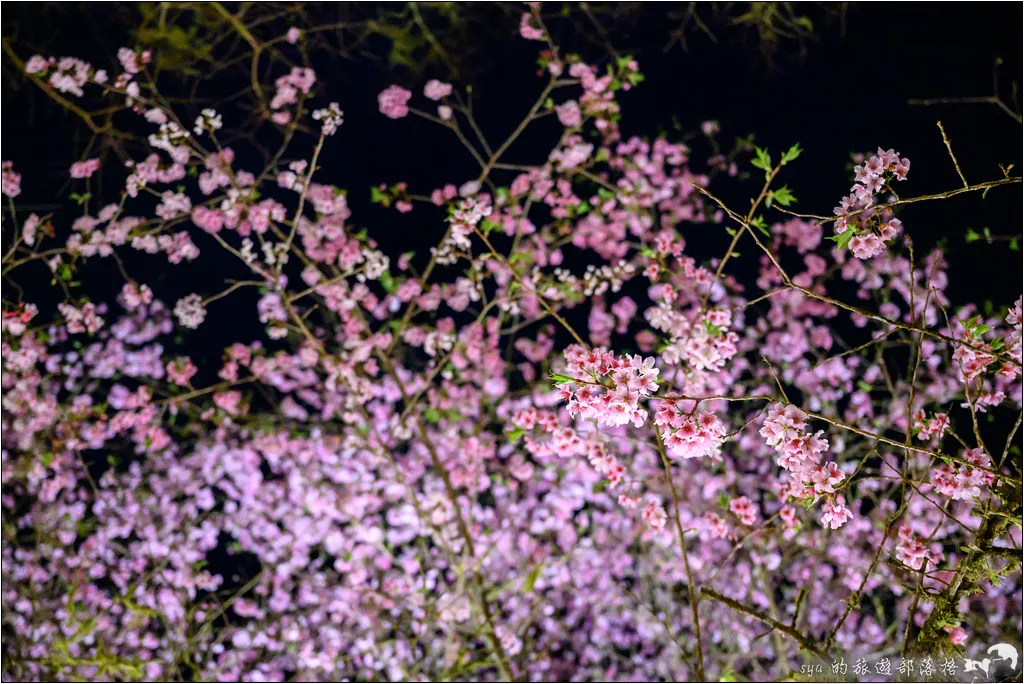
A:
(331, 117)
(374, 265)
(208, 120)
(190, 311)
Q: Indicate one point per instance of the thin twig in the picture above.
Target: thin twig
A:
(952, 156)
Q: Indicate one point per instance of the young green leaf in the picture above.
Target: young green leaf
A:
(531, 578)
(763, 160)
(843, 239)
(762, 225)
(783, 196)
(791, 154)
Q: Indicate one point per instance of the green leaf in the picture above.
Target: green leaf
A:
(762, 225)
(972, 236)
(515, 435)
(561, 379)
(728, 676)
(432, 416)
(531, 578)
(783, 196)
(763, 160)
(791, 154)
(843, 239)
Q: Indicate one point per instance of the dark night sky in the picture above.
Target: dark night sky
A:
(848, 94)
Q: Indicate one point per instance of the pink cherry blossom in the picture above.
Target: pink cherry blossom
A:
(393, 102)
(436, 90)
(84, 169)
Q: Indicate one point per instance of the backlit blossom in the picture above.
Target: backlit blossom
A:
(190, 311)
(84, 169)
(393, 102)
(331, 117)
(527, 30)
(871, 228)
(607, 388)
(961, 481)
(690, 435)
(435, 90)
(11, 180)
(569, 114)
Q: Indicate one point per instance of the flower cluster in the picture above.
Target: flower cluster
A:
(976, 354)
(393, 102)
(331, 117)
(374, 478)
(11, 181)
(912, 551)
(703, 342)
(464, 219)
(785, 429)
(84, 169)
(287, 89)
(607, 388)
(744, 509)
(930, 429)
(84, 319)
(690, 435)
(861, 225)
(190, 311)
(964, 482)
(208, 120)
